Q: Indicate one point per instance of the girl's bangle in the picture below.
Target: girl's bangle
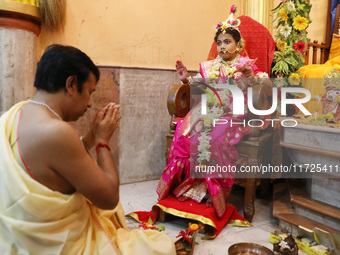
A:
(188, 83)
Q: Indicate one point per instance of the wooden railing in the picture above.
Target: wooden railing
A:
(319, 53)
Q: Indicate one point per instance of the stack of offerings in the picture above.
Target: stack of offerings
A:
(312, 242)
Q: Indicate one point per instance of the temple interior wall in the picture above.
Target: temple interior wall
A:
(136, 45)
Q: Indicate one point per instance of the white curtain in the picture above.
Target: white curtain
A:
(260, 10)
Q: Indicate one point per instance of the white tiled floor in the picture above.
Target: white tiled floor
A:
(142, 196)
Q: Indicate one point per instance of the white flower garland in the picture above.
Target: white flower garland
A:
(215, 111)
(214, 71)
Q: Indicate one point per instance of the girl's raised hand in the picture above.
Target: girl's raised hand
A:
(182, 72)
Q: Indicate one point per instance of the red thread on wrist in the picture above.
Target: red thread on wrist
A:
(99, 145)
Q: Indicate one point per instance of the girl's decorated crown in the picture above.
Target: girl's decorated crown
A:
(230, 22)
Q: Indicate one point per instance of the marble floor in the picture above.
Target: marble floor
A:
(141, 196)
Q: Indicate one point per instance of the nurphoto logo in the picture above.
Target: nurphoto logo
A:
(238, 107)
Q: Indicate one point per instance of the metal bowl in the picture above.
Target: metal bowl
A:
(248, 249)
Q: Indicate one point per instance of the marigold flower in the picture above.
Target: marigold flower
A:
(281, 45)
(283, 14)
(194, 227)
(207, 122)
(330, 116)
(294, 79)
(300, 23)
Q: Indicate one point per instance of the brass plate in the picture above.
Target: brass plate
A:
(248, 249)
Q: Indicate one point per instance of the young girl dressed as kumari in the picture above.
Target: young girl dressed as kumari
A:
(197, 142)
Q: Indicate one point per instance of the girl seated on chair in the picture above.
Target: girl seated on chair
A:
(198, 143)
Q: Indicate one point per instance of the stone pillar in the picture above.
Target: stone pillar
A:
(19, 28)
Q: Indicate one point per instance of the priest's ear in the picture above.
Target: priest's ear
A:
(71, 84)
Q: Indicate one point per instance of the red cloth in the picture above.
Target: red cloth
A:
(259, 42)
(189, 209)
(176, 120)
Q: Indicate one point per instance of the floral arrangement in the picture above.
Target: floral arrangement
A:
(187, 237)
(291, 40)
(149, 225)
(286, 246)
(320, 118)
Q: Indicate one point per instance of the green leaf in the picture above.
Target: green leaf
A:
(150, 220)
(277, 7)
(291, 61)
(299, 6)
(160, 227)
(296, 94)
(188, 248)
(274, 19)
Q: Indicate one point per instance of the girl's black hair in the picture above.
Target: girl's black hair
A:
(231, 31)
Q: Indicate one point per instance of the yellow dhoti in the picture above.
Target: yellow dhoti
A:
(37, 220)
